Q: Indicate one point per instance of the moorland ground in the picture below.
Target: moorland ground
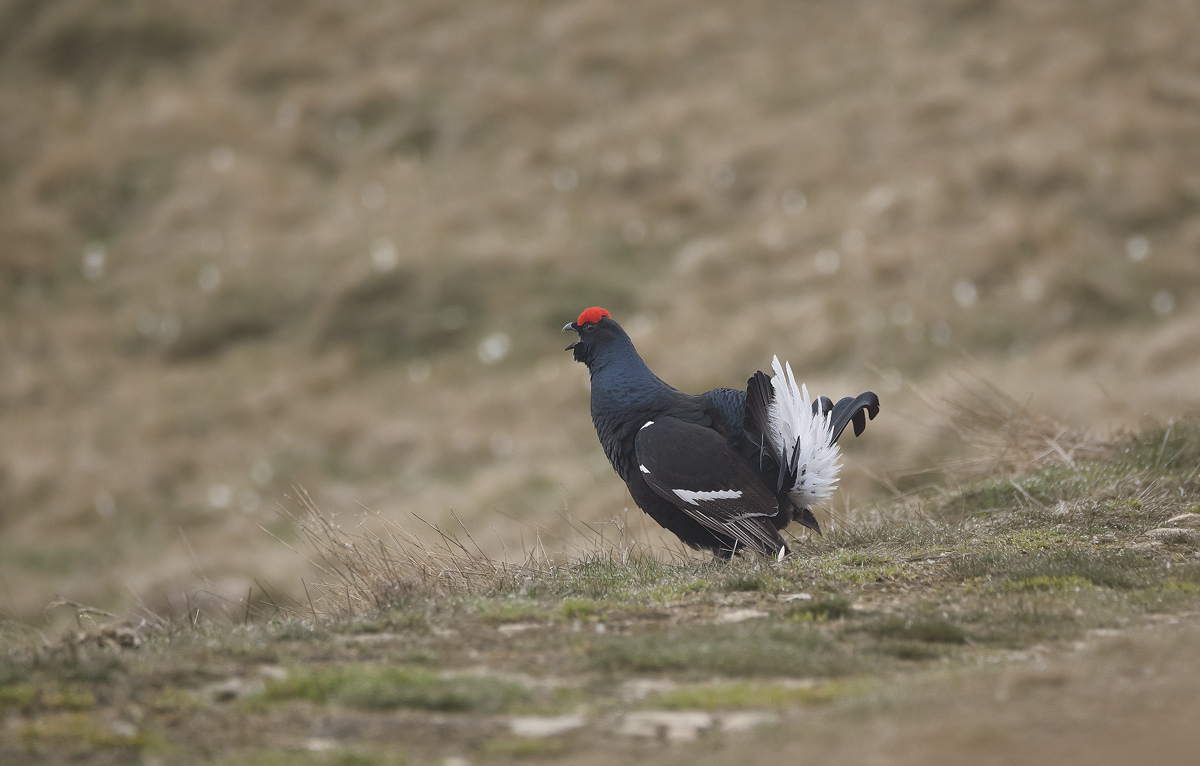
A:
(246, 248)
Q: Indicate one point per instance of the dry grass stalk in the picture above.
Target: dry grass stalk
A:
(1008, 435)
(368, 570)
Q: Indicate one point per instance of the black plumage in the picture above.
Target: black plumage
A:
(711, 468)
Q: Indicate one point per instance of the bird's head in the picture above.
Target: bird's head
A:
(597, 331)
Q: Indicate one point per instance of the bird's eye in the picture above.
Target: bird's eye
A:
(589, 326)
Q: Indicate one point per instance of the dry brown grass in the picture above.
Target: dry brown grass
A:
(988, 173)
(1008, 436)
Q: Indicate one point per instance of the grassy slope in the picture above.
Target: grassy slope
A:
(249, 171)
(1004, 621)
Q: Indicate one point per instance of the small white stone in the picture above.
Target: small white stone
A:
(661, 724)
(741, 615)
(641, 688)
(796, 597)
(746, 719)
(545, 726)
(320, 745)
(1191, 520)
(1096, 633)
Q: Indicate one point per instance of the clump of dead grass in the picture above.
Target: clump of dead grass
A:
(1009, 436)
(368, 567)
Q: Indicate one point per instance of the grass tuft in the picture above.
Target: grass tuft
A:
(828, 608)
(926, 630)
(371, 687)
(759, 648)
(1103, 569)
(337, 757)
(750, 695)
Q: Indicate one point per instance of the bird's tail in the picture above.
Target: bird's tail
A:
(856, 410)
(797, 432)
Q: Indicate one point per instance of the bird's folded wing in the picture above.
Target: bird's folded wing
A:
(696, 470)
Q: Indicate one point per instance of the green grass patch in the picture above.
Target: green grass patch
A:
(863, 574)
(750, 695)
(68, 698)
(748, 649)
(17, 695)
(337, 757)
(373, 687)
(1017, 620)
(1037, 539)
(828, 608)
(78, 730)
(754, 582)
(914, 651)
(173, 699)
(608, 577)
(526, 747)
(390, 621)
(1182, 586)
(1047, 583)
(501, 611)
(1104, 569)
(906, 536)
(580, 609)
(929, 630)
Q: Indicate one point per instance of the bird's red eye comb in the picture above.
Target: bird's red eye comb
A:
(592, 316)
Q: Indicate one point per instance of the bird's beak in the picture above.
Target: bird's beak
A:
(571, 326)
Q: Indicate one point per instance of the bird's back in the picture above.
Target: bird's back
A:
(731, 403)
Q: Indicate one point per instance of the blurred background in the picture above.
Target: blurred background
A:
(249, 246)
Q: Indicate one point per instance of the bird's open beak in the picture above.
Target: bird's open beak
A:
(571, 326)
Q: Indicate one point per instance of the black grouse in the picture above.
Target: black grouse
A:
(725, 470)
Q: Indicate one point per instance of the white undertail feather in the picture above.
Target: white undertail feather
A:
(793, 427)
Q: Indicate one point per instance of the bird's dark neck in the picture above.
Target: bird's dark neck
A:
(621, 381)
(625, 393)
